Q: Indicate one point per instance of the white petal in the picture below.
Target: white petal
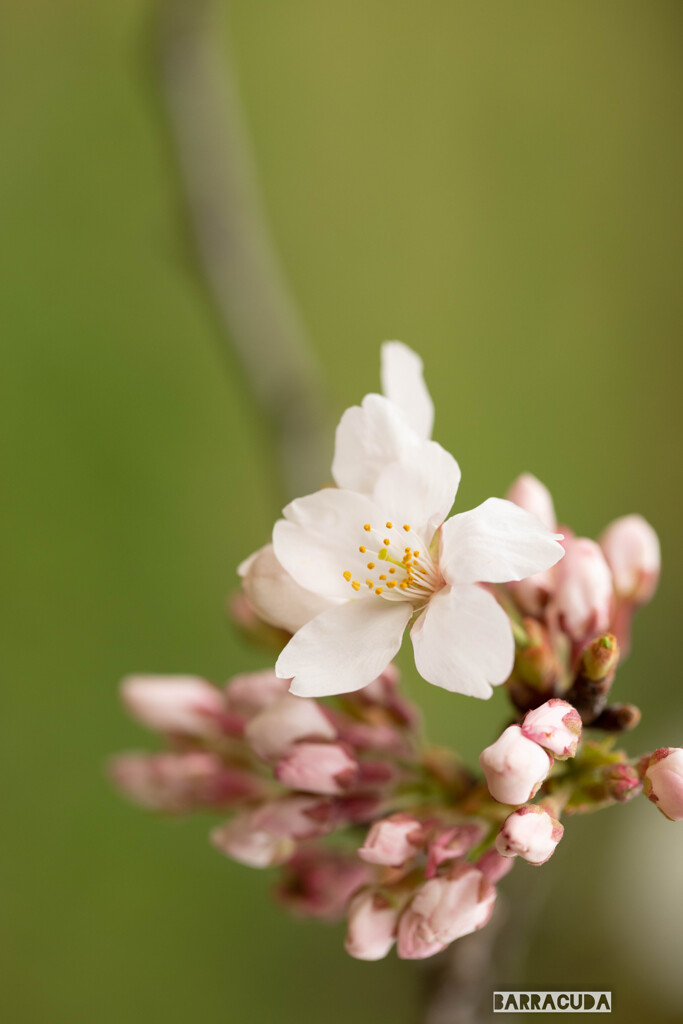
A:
(495, 543)
(318, 540)
(463, 641)
(368, 437)
(420, 489)
(274, 595)
(403, 383)
(345, 648)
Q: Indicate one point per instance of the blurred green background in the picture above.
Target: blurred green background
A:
(498, 185)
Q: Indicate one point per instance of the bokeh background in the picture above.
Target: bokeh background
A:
(498, 185)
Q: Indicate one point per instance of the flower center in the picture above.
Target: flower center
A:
(399, 565)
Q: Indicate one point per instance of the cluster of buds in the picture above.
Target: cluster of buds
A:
(321, 764)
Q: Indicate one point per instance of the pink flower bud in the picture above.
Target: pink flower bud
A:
(185, 705)
(631, 548)
(494, 866)
(514, 767)
(584, 596)
(318, 768)
(273, 731)
(534, 497)
(663, 781)
(274, 595)
(372, 920)
(319, 882)
(530, 833)
(181, 782)
(302, 817)
(257, 849)
(555, 725)
(392, 841)
(444, 909)
(532, 593)
(451, 844)
(251, 692)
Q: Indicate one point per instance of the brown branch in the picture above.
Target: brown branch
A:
(232, 239)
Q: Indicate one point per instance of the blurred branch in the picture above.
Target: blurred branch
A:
(233, 243)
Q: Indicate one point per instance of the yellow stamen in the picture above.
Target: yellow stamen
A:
(371, 565)
(367, 527)
(390, 526)
(416, 554)
(406, 527)
(378, 590)
(391, 583)
(356, 585)
(387, 541)
(382, 577)
(369, 582)
(347, 575)
(392, 569)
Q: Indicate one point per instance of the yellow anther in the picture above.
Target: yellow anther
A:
(390, 526)
(407, 550)
(369, 582)
(356, 585)
(406, 527)
(416, 554)
(382, 577)
(378, 590)
(387, 541)
(371, 565)
(347, 575)
(391, 583)
(362, 549)
(404, 584)
(367, 527)
(392, 570)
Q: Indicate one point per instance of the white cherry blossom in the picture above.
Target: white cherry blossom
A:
(379, 545)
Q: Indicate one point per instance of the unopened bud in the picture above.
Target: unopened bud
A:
(631, 548)
(392, 841)
(319, 882)
(536, 663)
(494, 866)
(593, 682)
(272, 732)
(584, 594)
(325, 768)
(185, 705)
(274, 595)
(443, 910)
(514, 767)
(530, 494)
(530, 833)
(451, 844)
(372, 920)
(556, 726)
(179, 783)
(599, 660)
(255, 848)
(250, 692)
(663, 781)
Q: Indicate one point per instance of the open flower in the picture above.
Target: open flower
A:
(380, 546)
